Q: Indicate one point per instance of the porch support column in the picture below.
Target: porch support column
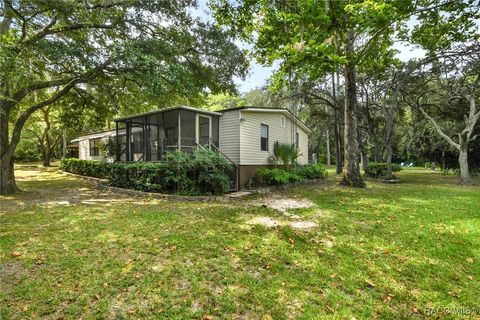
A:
(179, 142)
(127, 140)
(197, 136)
(159, 142)
(145, 142)
(117, 145)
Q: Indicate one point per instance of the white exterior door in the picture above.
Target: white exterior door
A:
(204, 130)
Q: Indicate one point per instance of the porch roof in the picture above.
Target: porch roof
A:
(139, 115)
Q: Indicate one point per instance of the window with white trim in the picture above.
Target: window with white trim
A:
(282, 121)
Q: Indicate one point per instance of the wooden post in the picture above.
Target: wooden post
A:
(179, 131)
(117, 145)
(144, 134)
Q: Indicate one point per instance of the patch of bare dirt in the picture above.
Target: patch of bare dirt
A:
(10, 273)
(281, 203)
(268, 222)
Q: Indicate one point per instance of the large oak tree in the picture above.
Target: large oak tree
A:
(59, 46)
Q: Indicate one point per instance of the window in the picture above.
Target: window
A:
(263, 137)
(297, 139)
(282, 121)
(95, 147)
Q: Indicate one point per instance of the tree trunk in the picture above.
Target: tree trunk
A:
(64, 143)
(336, 116)
(328, 147)
(7, 174)
(46, 156)
(388, 144)
(351, 168)
(465, 178)
(389, 127)
(443, 159)
(364, 159)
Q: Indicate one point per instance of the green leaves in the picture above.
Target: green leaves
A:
(309, 38)
(449, 23)
(158, 45)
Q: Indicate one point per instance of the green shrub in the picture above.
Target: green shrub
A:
(288, 153)
(379, 170)
(202, 172)
(27, 155)
(277, 176)
(143, 176)
(451, 172)
(210, 167)
(179, 176)
(91, 168)
(311, 171)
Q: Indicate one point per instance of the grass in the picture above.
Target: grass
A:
(388, 251)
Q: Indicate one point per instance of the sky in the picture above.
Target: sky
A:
(258, 74)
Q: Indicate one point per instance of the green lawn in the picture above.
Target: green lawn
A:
(388, 251)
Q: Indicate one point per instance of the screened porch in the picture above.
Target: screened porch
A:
(147, 136)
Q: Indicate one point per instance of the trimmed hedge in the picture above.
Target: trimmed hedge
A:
(202, 172)
(379, 170)
(277, 176)
(88, 168)
(456, 172)
(312, 171)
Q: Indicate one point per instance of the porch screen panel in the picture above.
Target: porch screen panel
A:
(155, 136)
(170, 129)
(121, 142)
(187, 130)
(137, 140)
(215, 130)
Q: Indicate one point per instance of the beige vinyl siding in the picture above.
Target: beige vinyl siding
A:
(84, 151)
(250, 151)
(303, 146)
(230, 135)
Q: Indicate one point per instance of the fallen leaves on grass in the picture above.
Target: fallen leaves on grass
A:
(388, 297)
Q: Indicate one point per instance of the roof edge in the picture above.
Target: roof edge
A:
(165, 110)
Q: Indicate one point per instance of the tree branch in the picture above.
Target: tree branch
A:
(48, 31)
(20, 94)
(42, 33)
(440, 131)
(28, 112)
(7, 18)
